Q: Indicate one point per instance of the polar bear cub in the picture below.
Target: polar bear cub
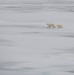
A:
(51, 25)
(59, 26)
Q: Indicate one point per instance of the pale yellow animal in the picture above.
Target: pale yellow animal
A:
(59, 26)
(51, 25)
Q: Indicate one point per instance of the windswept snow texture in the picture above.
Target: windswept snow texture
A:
(29, 6)
(27, 46)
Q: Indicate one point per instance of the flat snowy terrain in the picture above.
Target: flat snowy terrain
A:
(27, 46)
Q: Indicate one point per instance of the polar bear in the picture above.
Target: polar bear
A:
(59, 26)
(51, 25)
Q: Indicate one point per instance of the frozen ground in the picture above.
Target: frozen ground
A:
(27, 46)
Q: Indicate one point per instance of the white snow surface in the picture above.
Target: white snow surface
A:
(27, 46)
